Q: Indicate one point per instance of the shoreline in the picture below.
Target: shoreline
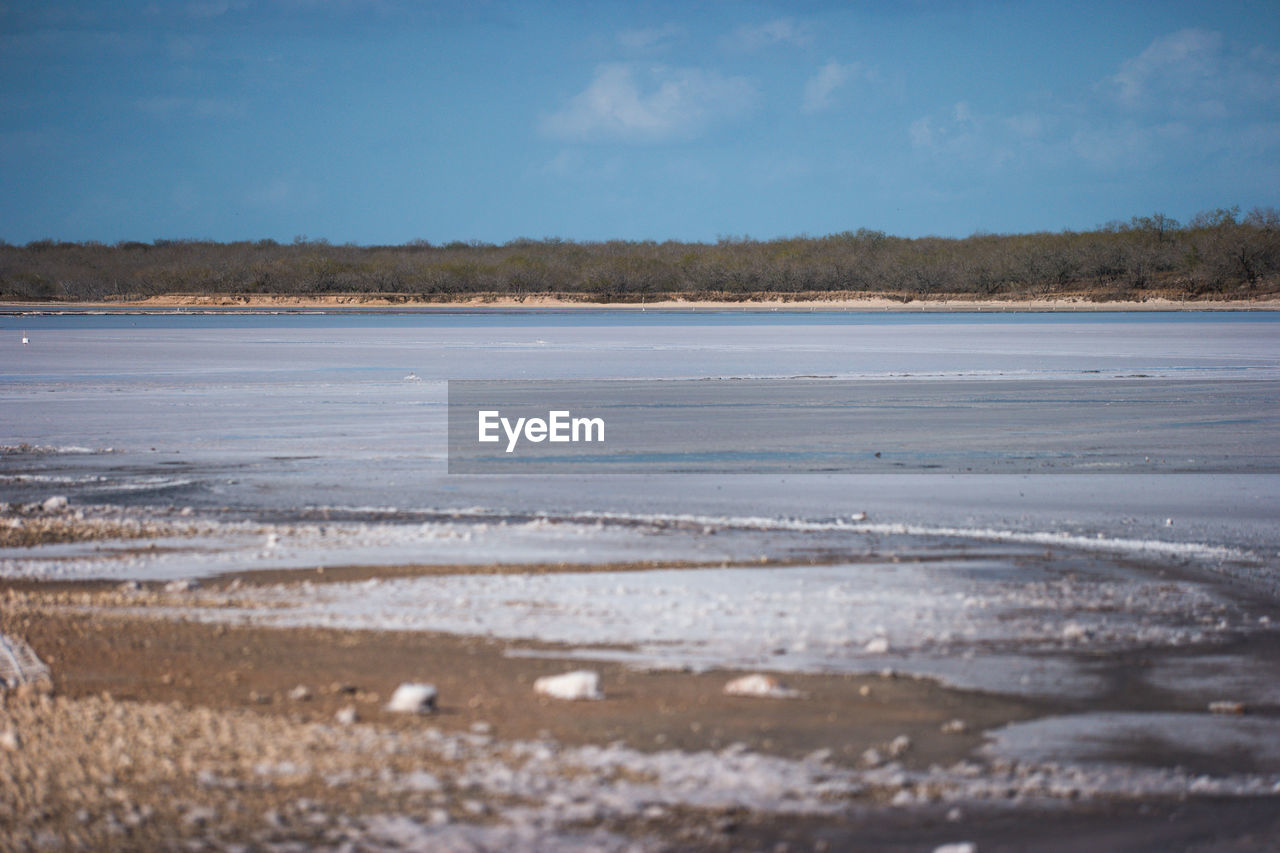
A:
(869, 303)
(234, 738)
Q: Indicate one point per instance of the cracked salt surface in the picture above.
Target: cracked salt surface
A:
(1007, 625)
(205, 547)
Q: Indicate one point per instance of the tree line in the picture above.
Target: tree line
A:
(1218, 254)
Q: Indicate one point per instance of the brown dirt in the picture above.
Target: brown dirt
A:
(227, 667)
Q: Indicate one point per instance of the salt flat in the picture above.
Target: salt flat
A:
(199, 446)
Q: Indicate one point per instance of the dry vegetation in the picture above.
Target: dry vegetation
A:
(1217, 255)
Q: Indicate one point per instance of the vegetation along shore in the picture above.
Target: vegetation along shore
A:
(1218, 256)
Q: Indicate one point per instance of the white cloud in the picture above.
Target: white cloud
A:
(922, 133)
(819, 88)
(748, 37)
(1194, 75)
(1178, 59)
(650, 104)
(1188, 97)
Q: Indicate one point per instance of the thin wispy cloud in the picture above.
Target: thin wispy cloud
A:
(651, 104)
(1193, 74)
(751, 37)
(1183, 58)
(284, 194)
(1185, 96)
(651, 38)
(820, 89)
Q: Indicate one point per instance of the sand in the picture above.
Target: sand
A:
(841, 302)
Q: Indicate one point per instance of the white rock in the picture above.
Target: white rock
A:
(413, 698)
(580, 684)
(10, 740)
(859, 516)
(55, 503)
(957, 847)
(759, 684)
(878, 646)
(1075, 631)
(181, 586)
(301, 693)
(899, 745)
(954, 727)
(346, 716)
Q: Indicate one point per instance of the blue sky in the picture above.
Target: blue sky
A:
(383, 121)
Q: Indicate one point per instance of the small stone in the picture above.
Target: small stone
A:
(759, 684)
(899, 745)
(1224, 707)
(580, 684)
(954, 727)
(1075, 631)
(413, 698)
(347, 716)
(301, 693)
(877, 646)
(957, 847)
(10, 740)
(54, 504)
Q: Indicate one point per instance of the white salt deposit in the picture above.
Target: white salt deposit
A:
(804, 618)
(1223, 706)
(413, 699)
(760, 684)
(580, 684)
(876, 646)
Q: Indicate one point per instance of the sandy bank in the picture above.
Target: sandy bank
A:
(842, 302)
